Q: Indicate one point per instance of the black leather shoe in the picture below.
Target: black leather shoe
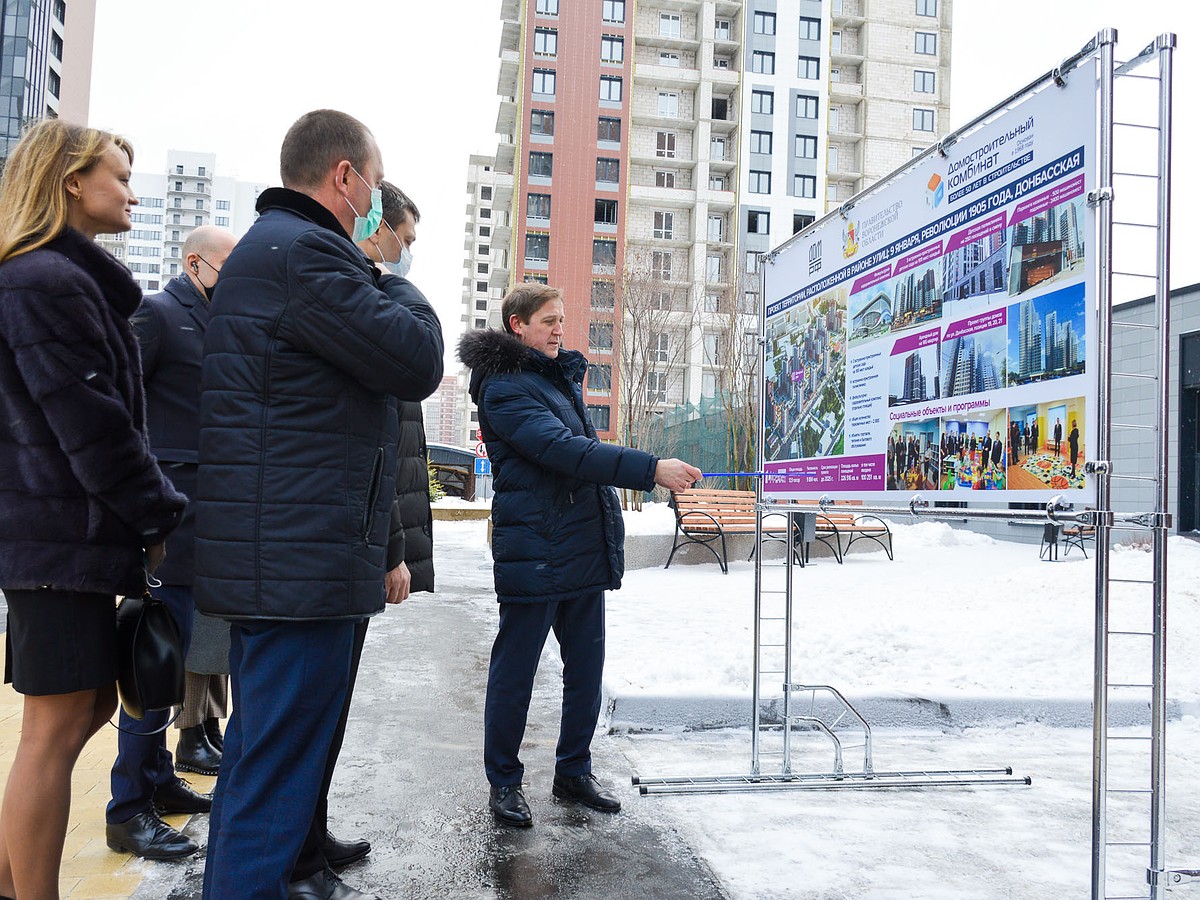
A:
(587, 790)
(340, 854)
(212, 728)
(177, 796)
(194, 753)
(508, 803)
(148, 836)
(325, 885)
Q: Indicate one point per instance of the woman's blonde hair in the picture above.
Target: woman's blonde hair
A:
(33, 192)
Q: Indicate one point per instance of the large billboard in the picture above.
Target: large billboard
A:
(940, 336)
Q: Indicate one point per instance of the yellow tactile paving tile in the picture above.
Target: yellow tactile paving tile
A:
(90, 870)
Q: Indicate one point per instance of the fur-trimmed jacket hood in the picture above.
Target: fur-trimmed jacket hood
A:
(558, 531)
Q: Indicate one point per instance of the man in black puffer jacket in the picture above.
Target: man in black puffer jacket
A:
(558, 540)
(303, 360)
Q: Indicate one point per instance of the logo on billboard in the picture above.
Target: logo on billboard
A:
(814, 258)
(935, 191)
(850, 239)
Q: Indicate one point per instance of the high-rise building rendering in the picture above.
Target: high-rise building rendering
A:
(188, 194)
(650, 152)
(46, 61)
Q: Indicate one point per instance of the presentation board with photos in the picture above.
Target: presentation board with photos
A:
(940, 338)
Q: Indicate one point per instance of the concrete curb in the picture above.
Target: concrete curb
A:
(695, 713)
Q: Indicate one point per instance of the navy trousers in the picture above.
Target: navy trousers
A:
(143, 761)
(579, 626)
(288, 682)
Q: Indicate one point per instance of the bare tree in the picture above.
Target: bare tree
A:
(654, 330)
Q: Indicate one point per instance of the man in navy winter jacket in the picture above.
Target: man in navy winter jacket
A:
(558, 539)
(304, 358)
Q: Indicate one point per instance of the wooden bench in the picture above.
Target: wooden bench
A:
(1077, 536)
(838, 529)
(705, 515)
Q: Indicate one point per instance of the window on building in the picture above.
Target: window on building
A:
(721, 62)
(612, 49)
(547, 7)
(481, 286)
(541, 121)
(608, 170)
(660, 265)
(222, 204)
(656, 387)
(716, 149)
(485, 212)
(923, 120)
(720, 108)
(483, 249)
(604, 294)
(56, 46)
(810, 29)
(664, 144)
(600, 336)
(660, 346)
(806, 146)
(604, 252)
(716, 182)
(541, 164)
(545, 42)
(485, 192)
(60, 10)
(537, 247)
(606, 212)
(760, 182)
(716, 228)
(178, 170)
(924, 81)
(610, 88)
(481, 268)
(806, 186)
(762, 62)
(179, 185)
(833, 159)
(806, 107)
(537, 206)
(543, 82)
(713, 266)
(609, 129)
(485, 231)
(926, 7)
(926, 43)
(762, 102)
(664, 178)
(758, 221)
(664, 225)
(722, 29)
(668, 58)
(764, 23)
(613, 11)
(178, 204)
(599, 379)
(808, 67)
(600, 416)
(669, 25)
(752, 262)
(712, 348)
(53, 83)
(199, 220)
(668, 104)
(760, 142)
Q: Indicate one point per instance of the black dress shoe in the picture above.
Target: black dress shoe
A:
(325, 885)
(177, 796)
(148, 836)
(340, 854)
(212, 728)
(587, 790)
(194, 753)
(508, 803)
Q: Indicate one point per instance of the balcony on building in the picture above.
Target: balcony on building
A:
(506, 116)
(502, 194)
(510, 67)
(506, 156)
(510, 25)
(723, 115)
(845, 91)
(651, 75)
(848, 12)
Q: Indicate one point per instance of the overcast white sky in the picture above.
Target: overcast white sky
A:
(229, 77)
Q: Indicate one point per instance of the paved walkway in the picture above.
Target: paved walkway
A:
(411, 781)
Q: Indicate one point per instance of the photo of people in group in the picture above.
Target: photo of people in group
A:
(912, 456)
(1047, 442)
(974, 451)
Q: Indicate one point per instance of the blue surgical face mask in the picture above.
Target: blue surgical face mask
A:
(365, 226)
(402, 266)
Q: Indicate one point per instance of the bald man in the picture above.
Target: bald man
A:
(170, 328)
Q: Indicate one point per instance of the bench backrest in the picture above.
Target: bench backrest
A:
(727, 507)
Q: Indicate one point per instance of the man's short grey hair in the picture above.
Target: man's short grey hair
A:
(317, 142)
(396, 205)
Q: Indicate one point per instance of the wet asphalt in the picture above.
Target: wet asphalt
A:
(410, 777)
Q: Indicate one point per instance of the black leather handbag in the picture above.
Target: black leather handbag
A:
(150, 660)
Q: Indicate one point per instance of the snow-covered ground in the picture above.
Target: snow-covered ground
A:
(955, 615)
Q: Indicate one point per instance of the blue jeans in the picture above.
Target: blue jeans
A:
(143, 761)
